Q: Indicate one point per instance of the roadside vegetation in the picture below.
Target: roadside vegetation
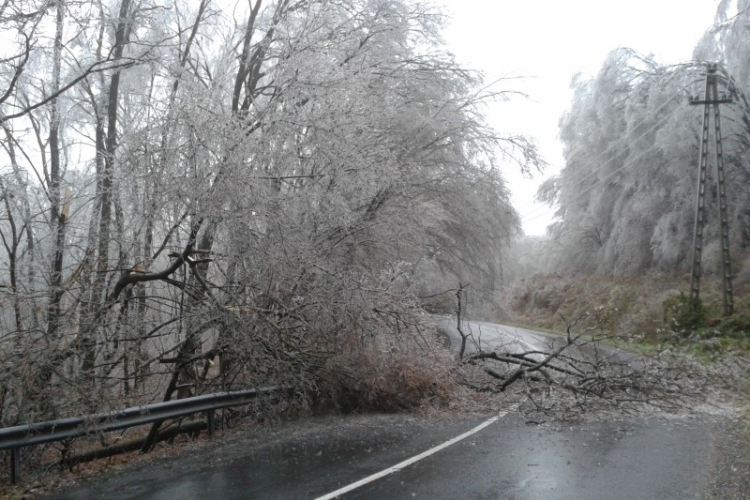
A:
(646, 312)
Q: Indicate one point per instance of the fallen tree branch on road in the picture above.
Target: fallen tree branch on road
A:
(577, 374)
(517, 359)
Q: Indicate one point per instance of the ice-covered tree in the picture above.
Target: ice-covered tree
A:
(273, 187)
(626, 195)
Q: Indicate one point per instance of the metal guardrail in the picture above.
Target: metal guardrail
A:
(15, 438)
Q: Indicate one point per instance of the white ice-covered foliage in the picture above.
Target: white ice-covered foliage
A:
(626, 196)
(274, 184)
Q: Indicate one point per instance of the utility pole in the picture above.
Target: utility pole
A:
(711, 100)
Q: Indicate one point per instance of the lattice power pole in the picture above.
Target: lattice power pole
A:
(711, 100)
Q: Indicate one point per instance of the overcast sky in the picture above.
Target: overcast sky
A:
(547, 42)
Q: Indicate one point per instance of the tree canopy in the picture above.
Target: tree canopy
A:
(625, 198)
(268, 189)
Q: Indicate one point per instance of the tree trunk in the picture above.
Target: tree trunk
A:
(57, 214)
(105, 183)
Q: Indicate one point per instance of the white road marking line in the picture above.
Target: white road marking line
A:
(505, 333)
(411, 460)
(516, 336)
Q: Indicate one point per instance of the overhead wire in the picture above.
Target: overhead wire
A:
(532, 215)
(629, 163)
(623, 141)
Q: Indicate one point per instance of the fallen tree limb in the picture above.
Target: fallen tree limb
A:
(515, 359)
(545, 362)
(575, 375)
(133, 444)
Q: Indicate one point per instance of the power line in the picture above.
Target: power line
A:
(622, 142)
(526, 218)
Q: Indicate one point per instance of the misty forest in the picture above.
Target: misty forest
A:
(204, 196)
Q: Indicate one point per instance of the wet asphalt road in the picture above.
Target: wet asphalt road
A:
(603, 461)
(490, 336)
(630, 459)
(509, 460)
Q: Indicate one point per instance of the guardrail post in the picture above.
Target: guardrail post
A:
(210, 422)
(15, 464)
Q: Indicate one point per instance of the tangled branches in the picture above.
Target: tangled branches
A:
(583, 372)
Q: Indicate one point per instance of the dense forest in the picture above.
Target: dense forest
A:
(196, 197)
(625, 199)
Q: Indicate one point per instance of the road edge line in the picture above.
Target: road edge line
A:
(402, 465)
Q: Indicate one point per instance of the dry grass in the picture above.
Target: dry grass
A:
(388, 373)
(631, 306)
